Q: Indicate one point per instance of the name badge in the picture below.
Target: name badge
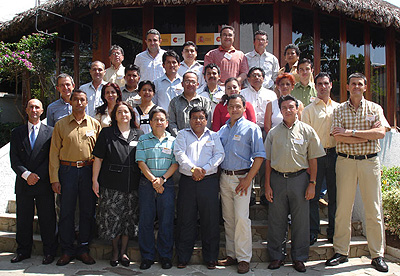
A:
(298, 141)
(312, 99)
(144, 116)
(210, 143)
(89, 133)
(370, 117)
(167, 150)
(228, 56)
(133, 143)
(236, 137)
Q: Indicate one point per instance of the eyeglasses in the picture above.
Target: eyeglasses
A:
(201, 118)
(190, 82)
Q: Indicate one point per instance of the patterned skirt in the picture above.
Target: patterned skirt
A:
(117, 214)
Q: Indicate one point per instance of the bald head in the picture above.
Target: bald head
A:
(34, 109)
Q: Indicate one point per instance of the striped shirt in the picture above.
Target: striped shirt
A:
(367, 114)
(158, 155)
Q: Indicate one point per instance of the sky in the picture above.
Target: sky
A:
(8, 10)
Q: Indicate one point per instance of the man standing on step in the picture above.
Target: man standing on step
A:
(319, 115)
(29, 154)
(357, 126)
(244, 154)
(292, 150)
(70, 170)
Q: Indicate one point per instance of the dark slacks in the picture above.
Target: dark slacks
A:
(47, 222)
(76, 183)
(289, 198)
(326, 171)
(198, 197)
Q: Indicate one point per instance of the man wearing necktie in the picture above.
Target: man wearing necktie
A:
(29, 154)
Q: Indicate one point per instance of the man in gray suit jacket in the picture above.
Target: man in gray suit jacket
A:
(29, 154)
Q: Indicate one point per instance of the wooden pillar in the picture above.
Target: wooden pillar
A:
(234, 21)
(76, 54)
(58, 61)
(367, 60)
(148, 21)
(102, 26)
(276, 47)
(317, 43)
(391, 102)
(190, 23)
(286, 28)
(343, 59)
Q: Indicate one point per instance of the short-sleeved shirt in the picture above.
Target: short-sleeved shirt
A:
(196, 67)
(56, 111)
(268, 62)
(93, 96)
(289, 149)
(242, 143)
(166, 90)
(306, 94)
(214, 97)
(367, 114)
(132, 98)
(119, 171)
(232, 63)
(72, 142)
(158, 155)
(320, 116)
(115, 75)
(150, 68)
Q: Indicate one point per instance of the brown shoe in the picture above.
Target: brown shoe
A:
(299, 266)
(86, 259)
(227, 262)
(275, 264)
(243, 267)
(64, 260)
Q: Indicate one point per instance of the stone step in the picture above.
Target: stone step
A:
(99, 249)
(8, 223)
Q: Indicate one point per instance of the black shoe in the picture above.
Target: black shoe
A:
(113, 263)
(125, 261)
(48, 259)
(337, 259)
(181, 265)
(19, 257)
(313, 239)
(166, 263)
(146, 264)
(380, 264)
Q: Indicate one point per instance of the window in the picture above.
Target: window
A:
(378, 66)
(303, 32)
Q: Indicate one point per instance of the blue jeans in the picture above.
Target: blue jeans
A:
(76, 183)
(150, 204)
(327, 171)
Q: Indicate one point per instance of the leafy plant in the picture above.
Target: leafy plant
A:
(391, 198)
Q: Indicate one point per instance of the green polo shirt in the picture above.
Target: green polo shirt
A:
(306, 94)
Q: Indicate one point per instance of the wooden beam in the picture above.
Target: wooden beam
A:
(102, 27)
(391, 103)
(148, 21)
(367, 60)
(317, 43)
(343, 59)
(276, 47)
(190, 22)
(76, 54)
(286, 27)
(234, 21)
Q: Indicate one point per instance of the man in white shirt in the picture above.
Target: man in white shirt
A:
(93, 88)
(116, 72)
(259, 57)
(189, 62)
(150, 60)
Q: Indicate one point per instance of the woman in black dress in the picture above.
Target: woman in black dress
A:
(115, 181)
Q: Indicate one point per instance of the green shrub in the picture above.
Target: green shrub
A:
(391, 198)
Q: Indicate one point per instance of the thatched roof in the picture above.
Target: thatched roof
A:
(374, 11)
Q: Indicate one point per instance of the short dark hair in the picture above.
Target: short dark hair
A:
(322, 75)
(132, 67)
(227, 27)
(235, 96)
(158, 110)
(143, 83)
(252, 69)
(260, 32)
(294, 47)
(211, 66)
(190, 43)
(117, 48)
(190, 72)
(77, 91)
(170, 53)
(132, 122)
(154, 32)
(198, 109)
(228, 80)
(357, 75)
(305, 60)
(287, 98)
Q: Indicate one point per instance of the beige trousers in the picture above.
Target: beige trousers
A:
(367, 173)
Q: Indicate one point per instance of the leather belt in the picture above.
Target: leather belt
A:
(329, 150)
(78, 164)
(358, 157)
(238, 172)
(290, 174)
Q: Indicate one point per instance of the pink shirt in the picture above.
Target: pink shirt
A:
(232, 63)
(221, 115)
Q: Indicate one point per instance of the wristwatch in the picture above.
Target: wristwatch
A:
(192, 170)
(353, 133)
(313, 182)
(164, 179)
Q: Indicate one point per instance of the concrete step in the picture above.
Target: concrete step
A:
(99, 249)
(8, 223)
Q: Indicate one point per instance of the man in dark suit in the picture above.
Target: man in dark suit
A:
(29, 154)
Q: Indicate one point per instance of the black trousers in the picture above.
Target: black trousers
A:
(47, 222)
(198, 197)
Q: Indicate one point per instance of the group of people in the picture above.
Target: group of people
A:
(126, 136)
